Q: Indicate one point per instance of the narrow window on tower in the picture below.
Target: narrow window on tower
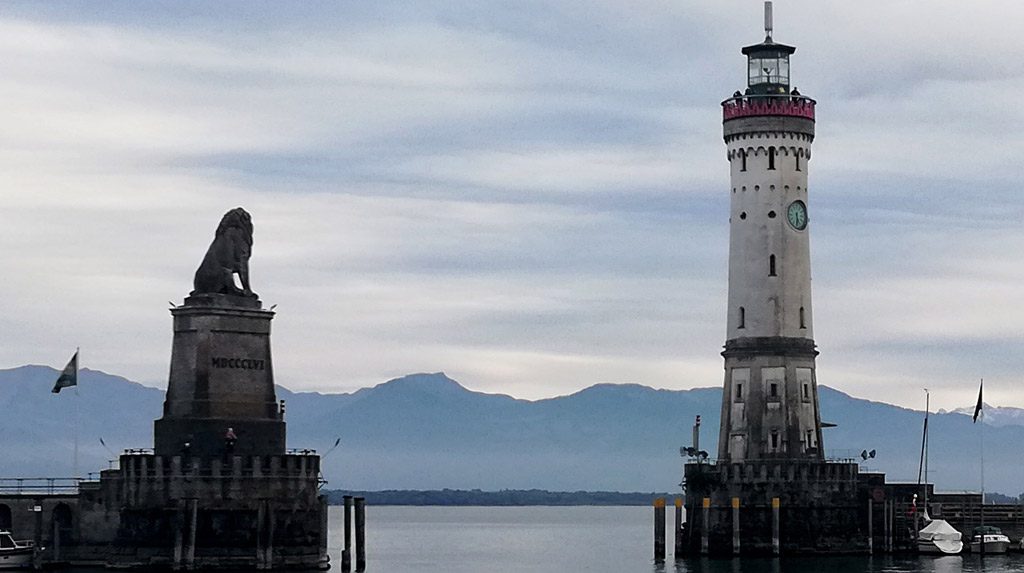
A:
(807, 392)
(771, 268)
(773, 390)
(775, 440)
(743, 318)
(810, 439)
(797, 157)
(803, 321)
(739, 392)
(743, 160)
(771, 158)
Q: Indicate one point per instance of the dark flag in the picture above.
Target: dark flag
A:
(977, 409)
(69, 376)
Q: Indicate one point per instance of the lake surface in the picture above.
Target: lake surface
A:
(569, 539)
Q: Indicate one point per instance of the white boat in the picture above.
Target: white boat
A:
(993, 538)
(939, 538)
(15, 554)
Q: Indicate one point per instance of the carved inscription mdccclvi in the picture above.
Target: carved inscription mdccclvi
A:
(239, 363)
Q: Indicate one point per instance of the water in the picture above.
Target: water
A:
(571, 539)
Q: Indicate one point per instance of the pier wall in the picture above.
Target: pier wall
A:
(730, 507)
(182, 512)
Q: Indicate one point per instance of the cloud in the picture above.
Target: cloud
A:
(531, 198)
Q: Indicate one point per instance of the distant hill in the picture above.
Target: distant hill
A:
(427, 432)
(995, 415)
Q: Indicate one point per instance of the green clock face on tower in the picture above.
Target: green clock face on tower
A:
(797, 215)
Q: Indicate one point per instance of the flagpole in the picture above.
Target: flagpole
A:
(982, 430)
(77, 360)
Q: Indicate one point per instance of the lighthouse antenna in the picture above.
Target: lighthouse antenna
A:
(768, 20)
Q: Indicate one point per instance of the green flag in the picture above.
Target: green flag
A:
(69, 376)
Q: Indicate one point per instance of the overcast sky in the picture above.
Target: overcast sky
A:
(529, 196)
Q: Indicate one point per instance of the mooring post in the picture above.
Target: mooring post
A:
(776, 545)
(888, 527)
(360, 534)
(706, 517)
(736, 526)
(659, 529)
(678, 550)
(871, 526)
(192, 519)
(179, 537)
(885, 526)
(346, 554)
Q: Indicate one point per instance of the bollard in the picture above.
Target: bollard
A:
(360, 534)
(346, 553)
(659, 529)
(776, 545)
(871, 526)
(678, 551)
(736, 526)
(706, 510)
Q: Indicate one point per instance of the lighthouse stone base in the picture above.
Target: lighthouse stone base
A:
(820, 507)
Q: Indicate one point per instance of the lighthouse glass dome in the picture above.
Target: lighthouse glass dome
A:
(768, 68)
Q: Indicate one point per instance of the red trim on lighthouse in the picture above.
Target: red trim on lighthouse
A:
(793, 106)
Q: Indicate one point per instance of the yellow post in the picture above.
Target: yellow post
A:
(659, 529)
(736, 526)
(776, 546)
(706, 507)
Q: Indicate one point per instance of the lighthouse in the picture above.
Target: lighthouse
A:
(771, 489)
(770, 397)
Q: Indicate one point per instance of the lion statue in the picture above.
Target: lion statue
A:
(228, 254)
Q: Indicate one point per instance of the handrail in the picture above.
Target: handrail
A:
(27, 485)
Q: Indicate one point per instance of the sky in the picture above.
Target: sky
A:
(529, 196)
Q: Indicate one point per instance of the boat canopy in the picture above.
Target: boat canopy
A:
(943, 535)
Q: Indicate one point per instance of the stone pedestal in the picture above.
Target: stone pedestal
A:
(221, 377)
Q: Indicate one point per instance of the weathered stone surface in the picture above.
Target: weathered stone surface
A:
(221, 377)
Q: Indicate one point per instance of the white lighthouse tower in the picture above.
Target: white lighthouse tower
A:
(770, 398)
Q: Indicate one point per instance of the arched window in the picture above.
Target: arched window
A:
(771, 158)
(803, 321)
(796, 156)
(743, 318)
(743, 160)
(771, 266)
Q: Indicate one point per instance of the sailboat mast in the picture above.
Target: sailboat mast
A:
(927, 411)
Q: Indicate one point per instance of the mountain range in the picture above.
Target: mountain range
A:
(426, 431)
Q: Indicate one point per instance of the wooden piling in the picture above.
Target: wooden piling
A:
(346, 553)
(871, 526)
(191, 521)
(706, 517)
(678, 533)
(776, 544)
(360, 507)
(659, 529)
(736, 526)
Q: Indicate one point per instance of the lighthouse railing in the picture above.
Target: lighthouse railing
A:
(765, 105)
